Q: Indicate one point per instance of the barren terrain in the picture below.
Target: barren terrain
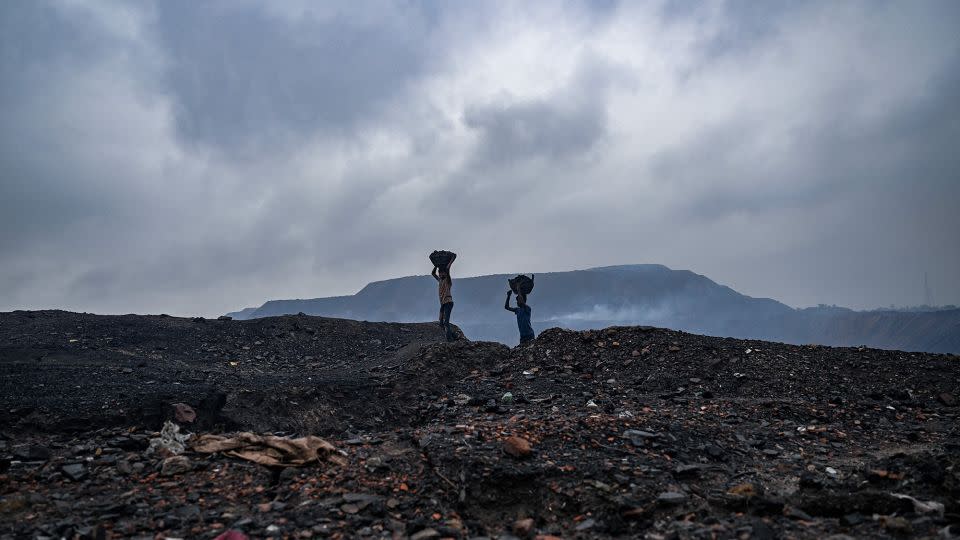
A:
(624, 432)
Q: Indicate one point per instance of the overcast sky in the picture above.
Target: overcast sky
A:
(198, 157)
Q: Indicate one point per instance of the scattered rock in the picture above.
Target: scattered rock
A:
(742, 490)
(896, 524)
(420, 407)
(692, 469)
(517, 447)
(175, 465)
(947, 399)
(796, 513)
(672, 497)
(585, 525)
(31, 452)
(523, 527)
(74, 471)
(183, 413)
(425, 534)
(851, 520)
(639, 437)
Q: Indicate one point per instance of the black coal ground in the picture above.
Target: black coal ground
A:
(634, 431)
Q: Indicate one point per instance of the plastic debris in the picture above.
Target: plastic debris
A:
(270, 449)
(170, 440)
(923, 507)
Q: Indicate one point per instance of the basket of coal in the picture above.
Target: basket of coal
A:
(442, 259)
(521, 284)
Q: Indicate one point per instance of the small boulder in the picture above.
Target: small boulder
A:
(425, 534)
(175, 465)
(517, 447)
(74, 471)
(672, 498)
(183, 413)
(523, 527)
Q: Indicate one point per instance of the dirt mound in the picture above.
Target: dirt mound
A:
(623, 432)
(68, 370)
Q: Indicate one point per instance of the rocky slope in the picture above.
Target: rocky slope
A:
(624, 432)
(647, 294)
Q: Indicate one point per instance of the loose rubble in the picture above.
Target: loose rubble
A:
(622, 432)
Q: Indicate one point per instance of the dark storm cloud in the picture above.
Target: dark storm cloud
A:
(512, 131)
(196, 157)
(247, 80)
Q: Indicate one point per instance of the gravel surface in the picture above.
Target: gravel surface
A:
(625, 432)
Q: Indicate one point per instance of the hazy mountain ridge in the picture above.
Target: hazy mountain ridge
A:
(645, 294)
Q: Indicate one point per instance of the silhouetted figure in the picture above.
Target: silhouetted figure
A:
(445, 285)
(522, 311)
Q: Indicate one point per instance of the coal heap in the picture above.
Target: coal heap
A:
(622, 432)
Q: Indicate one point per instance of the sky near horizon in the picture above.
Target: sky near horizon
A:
(195, 158)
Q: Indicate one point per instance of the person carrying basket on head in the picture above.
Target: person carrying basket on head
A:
(441, 273)
(523, 286)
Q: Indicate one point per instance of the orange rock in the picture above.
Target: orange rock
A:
(743, 490)
(517, 447)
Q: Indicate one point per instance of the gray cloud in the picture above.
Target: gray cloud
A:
(192, 157)
(251, 81)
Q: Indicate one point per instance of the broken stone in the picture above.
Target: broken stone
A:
(851, 519)
(692, 469)
(425, 534)
(672, 497)
(742, 490)
(517, 447)
(175, 465)
(586, 525)
(639, 437)
(796, 513)
(74, 471)
(896, 524)
(523, 527)
(947, 399)
(184, 413)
